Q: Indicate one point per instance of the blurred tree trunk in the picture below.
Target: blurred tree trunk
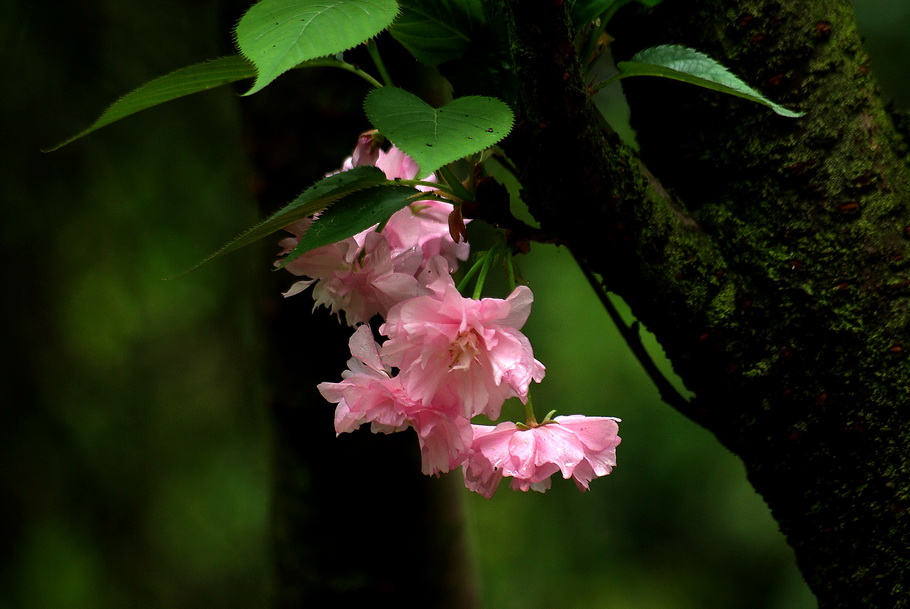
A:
(768, 255)
(355, 523)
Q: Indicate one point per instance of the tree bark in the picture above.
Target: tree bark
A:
(768, 255)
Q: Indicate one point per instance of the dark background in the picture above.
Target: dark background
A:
(134, 450)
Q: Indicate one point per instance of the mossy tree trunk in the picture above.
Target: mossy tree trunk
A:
(768, 255)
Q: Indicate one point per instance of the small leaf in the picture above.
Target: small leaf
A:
(436, 31)
(693, 67)
(182, 82)
(276, 35)
(352, 214)
(585, 11)
(434, 137)
(314, 199)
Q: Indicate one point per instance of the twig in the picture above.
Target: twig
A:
(668, 393)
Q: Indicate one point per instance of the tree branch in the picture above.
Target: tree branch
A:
(775, 278)
(588, 188)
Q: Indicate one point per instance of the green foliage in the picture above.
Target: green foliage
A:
(352, 214)
(437, 31)
(688, 65)
(276, 35)
(585, 11)
(313, 200)
(185, 81)
(434, 137)
(189, 80)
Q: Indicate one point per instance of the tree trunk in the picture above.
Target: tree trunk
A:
(768, 255)
(354, 521)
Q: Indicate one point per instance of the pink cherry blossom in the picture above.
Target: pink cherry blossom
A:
(366, 274)
(582, 448)
(425, 225)
(444, 342)
(369, 393)
(366, 152)
(394, 163)
(422, 224)
(444, 433)
(362, 280)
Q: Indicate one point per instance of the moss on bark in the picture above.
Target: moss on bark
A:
(768, 255)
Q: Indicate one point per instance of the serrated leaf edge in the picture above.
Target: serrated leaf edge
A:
(98, 124)
(297, 251)
(501, 137)
(293, 216)
(750, 94)
(257, 87)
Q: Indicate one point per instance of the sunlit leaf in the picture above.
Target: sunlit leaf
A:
(352, 214)
(314, 199)
(434, 137)
(180, 83)
(436, 31)
(688, 65)
(276, 35)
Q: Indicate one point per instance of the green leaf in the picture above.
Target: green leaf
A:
(585, 11)
(437, 31)
(693, 67)
(352, 214)
(276, 35)
(434, 137)
(185, 81)
(314, 199)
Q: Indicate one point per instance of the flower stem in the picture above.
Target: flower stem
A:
(448, 177)
(374, 55)
(441, 186)
(343, 65)
(530, 419)
(510, 270)
(595, 88)
(471, 272)
(482, 278)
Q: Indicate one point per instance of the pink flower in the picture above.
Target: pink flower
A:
(369, 393)
(394, 163)
(582, 448)
(422, 224)
(425, 225)
(367, 150)
(361, 279)
(445, 436)
(366, 274)
(443, 342)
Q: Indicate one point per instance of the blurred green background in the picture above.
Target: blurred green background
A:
(134, 450)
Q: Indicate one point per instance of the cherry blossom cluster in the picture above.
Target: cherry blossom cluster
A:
(444, 359)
